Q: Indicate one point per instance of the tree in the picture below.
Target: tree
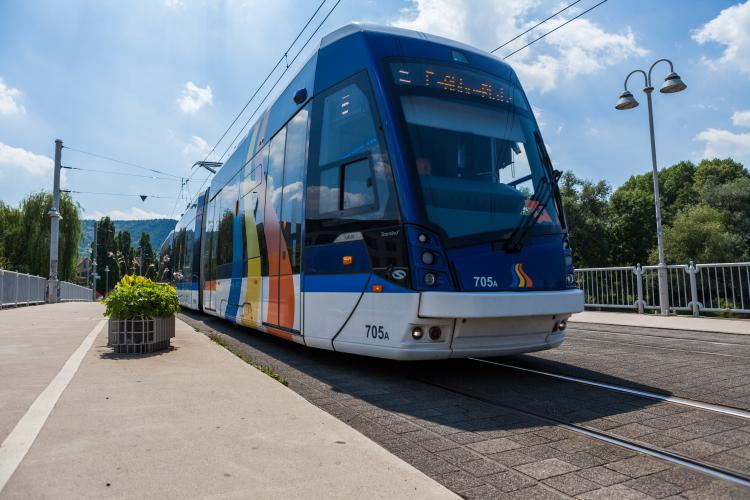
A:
(716, 171)
(25, 236)
(700, 233)
(146, 252)
(632, 224)
(676, 189)
(10, 236)
(733, 199)
(586, 212)
(106, 254)
(125, 255)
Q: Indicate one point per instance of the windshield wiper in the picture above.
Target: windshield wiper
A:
(537, 203)
(554, 174)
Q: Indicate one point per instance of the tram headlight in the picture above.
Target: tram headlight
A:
(428, 258)
(430, 279)
(422, 238)
(417, 333)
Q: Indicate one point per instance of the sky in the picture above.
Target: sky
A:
(154, 83)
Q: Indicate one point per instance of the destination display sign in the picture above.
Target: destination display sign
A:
(454, 80)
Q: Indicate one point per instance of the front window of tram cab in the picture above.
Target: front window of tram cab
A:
(476, 149)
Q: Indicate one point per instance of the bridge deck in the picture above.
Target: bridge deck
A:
(193, 421)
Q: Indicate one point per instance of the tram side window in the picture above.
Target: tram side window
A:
(349, 174)
(225, 214)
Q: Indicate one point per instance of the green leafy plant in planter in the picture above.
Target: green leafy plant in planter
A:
(141, 315)
(136, 296)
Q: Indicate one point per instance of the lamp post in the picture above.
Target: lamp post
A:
(106, 281)
(672, 83)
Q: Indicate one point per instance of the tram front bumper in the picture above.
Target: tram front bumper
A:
(502, 323)
(499, 304)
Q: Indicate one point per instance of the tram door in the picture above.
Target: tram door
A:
(284, 212)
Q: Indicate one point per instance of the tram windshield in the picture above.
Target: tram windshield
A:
(476, 149)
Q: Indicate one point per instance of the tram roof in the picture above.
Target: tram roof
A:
(341, 53)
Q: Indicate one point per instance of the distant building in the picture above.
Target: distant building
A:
(83, 270)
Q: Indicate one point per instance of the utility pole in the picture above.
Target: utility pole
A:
(141, 259)
(55, 217)
(93, 263)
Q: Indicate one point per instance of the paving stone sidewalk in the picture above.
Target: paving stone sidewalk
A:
(476, 449)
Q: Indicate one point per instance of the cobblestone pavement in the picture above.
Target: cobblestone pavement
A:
(703, 366)
(476, 448)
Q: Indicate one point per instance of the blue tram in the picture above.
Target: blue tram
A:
(396, 200)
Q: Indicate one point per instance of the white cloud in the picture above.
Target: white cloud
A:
(539, 117)
(194, 98)
(173, 4)
(741, 118)
(730, 28)
(133, 213)
(581, 48)
(8, 100)
(723, 144)
(18, 158)
(197, 147)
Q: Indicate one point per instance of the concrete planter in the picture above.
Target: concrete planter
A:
(140, 335)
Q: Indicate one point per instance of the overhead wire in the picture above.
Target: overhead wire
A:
(299, 52)
(122, 162)
(534, 27)
(555, 29)
(281, 59)
(118, 194)
(111, 172)
(289, 64)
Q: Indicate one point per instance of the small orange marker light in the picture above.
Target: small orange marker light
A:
(347, 260)
(377, 288)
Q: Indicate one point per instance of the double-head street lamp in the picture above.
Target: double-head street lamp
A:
(672, 83)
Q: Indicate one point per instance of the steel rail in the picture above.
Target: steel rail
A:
(571, 326)
(726, 410)
(705, 353)
(671, 457)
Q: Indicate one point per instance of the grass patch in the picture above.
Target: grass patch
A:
(265, 369)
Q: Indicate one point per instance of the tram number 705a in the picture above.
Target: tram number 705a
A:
(376, 332)
(485, 281)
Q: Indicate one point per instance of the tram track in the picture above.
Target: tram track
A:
(650, 346)
(698, 465)
(457, 429)
(726, 410)
(572, 326)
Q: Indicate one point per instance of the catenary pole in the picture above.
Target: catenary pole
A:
(96, 250)
(55, 217)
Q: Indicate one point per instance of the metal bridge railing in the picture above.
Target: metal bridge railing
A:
(721, 287)
(70, 292)
(19, 289)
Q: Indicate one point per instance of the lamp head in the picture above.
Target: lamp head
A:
(672, 83)
(626, 101)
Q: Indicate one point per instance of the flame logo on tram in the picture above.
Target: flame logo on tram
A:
(519, 277)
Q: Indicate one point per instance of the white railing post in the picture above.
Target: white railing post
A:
(15, 302)
(640, 304)
(694, 304)
(2, 288)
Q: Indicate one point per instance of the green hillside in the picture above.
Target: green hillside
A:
(158, 229)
